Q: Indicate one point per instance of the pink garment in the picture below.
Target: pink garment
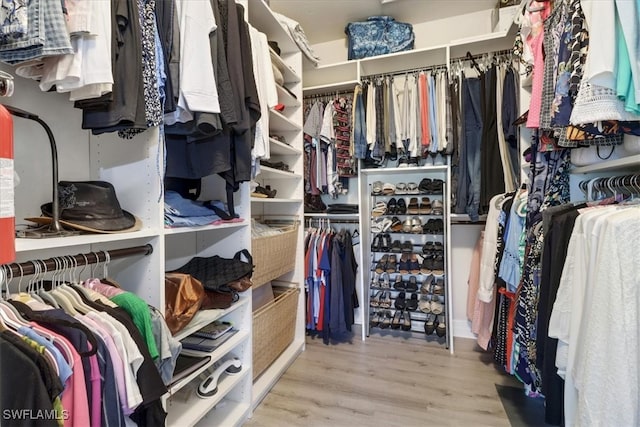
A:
(534, 40)
(116, 361)
(74, 397)
(480, 313)
(106, 290)
(96, 391)
(474, 277)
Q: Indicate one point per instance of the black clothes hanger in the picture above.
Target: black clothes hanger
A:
(473, 62)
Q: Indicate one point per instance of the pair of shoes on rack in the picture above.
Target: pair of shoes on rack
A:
(403, 303)
(381, 299)
(433, 264)
(433, 226)
(431, 186)
(432, 248)
(412, 225)
(401, 319)
(387, 263)
(430, 304)
(396, 207)
(409, 263)
(381, 242)
(437, 324)
(264, 192)
(380, 318)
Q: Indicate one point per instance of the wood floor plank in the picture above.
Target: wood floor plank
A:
(386, 381)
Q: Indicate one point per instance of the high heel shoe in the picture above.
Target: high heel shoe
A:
(406, 321)
(375, 301)
(401, 301)
(399, 283)
(392, 206)
(441, 327)
(430, 325)
(374, 319)
(385, 321)
(395, 323)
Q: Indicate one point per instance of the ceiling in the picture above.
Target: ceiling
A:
(324, 20)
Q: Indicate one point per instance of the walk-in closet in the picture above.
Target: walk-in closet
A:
(319, 212)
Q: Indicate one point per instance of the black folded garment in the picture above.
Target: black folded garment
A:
(342, 208)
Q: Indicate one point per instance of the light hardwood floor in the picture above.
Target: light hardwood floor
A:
(386, 381)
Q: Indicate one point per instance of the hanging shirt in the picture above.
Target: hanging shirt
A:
(198, 90)
(267, 92)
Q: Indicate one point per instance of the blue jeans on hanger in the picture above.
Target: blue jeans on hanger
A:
(359, 128)
(472, 110)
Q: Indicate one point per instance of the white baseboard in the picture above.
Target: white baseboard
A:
(462, 329)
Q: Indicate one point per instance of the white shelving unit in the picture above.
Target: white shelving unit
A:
(134, 167)
(406, 175)
(288, 203)
(345, 75)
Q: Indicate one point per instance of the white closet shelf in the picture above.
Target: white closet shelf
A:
(26, 245)
(204, 317)
(280, 123)
(267, 380)
(399, 61)
(274, 200)
(483, 43)
(330, 87)
(283, 149)
(216, 355)
(401, 171)
(263, 19)
(273, 173)
(464, 218)
(630, 162)
(226, 414)
(187, 412)
(284, 97)
(180, 230)
(331, 76)
(290, 76)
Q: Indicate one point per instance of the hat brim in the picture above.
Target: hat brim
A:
(126, 224)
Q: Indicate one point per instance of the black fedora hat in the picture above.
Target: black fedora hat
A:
(90, 206)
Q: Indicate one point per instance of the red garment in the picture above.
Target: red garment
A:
(423, 93)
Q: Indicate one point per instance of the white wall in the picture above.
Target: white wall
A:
(428, 34)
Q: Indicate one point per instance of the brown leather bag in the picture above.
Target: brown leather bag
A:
(219, 300)
(183, 296)
(240, 285)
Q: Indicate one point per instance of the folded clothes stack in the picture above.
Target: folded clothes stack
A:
(342, 208)
(181, 212)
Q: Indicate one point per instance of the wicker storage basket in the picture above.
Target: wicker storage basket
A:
(275, 255)
(274, 327)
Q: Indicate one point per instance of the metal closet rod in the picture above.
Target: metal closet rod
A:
(407, 71)
(480, 55)
(438, 66)
(326, 94)
(57, 263)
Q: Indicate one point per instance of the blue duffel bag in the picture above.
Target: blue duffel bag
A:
(378, 35)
